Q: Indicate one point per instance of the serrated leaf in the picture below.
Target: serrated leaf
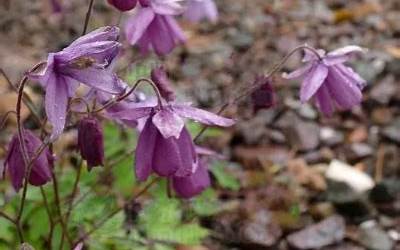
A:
(224, 178)
(206, 204)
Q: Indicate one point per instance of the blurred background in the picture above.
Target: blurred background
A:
(292, 179)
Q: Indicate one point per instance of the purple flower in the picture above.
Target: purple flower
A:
(14, 162)
(190, 186)
(329, 81)
(198, 10)
(153, 26)
(90, 141)
(160, 78)
(165, 145)
(56, 6)
(85, 61)
(123, 5)
(263, 97)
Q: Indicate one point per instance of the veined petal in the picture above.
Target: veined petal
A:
(132, 114)
(299, 72)
(351, 75)
(168, 123)
(188, 154)
(107, 33)
(324, 101)
(56, 102)
(96, 78)
(144, 153)
(351, 49)
(167, 158)
(202, 116)
(343, 90)
(313, 81)
(137, 25)
(188, 187)
(161, 36)
(167, 7)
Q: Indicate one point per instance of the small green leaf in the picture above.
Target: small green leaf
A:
(206, 204)
(224, 178)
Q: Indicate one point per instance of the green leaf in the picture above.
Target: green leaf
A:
(206, 204)
(224, 178)
(124, 177)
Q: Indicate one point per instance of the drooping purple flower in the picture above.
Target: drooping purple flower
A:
(91, 142)
(154, 27)
(123, 5)
(190, 186)
(329, 81)
(263, 97)
(165, 145)
(85, 61)
(160, 78)
(15, 165)
(198, 10)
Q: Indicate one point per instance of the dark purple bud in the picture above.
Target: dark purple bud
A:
(188, 187)
(263, 97)
(160, 78)
(90, 141)
(14, 163)
(56, 6)
(123, 5)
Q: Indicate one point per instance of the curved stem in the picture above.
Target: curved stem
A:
(254, 87)
(125, 95)
(5, 118)
(87, 18)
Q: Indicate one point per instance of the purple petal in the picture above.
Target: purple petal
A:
(198, 10)
(168, 123)
(56, 102)
(353, 76)
(299, 72)
(351, 49)
(311, 56)
(188, 154)
(132, 114)
(313, 81)
(202, 116)
(167, 7)
(344, 90)
(137, 25)
(107, 33)
(96, 78)
(145, 149)
(188, 187)
(324, 100)
(167, 158)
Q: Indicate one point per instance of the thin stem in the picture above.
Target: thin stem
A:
(5, 118)
(74, 192)
(247, 92)
(116, 211)
(87, 18)
(46, 204)
(125, 95)
(5, 216)
(58, 206)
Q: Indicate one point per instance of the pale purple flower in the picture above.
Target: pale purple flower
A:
(85, 61)
(154, 27)
(164, 145)
(15, 165)
(198, 10)
(91, 142)
(329, 81)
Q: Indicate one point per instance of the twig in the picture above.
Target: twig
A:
(46, 204)
(87, 18)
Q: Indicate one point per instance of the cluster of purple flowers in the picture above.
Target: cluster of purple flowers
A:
(165, 146)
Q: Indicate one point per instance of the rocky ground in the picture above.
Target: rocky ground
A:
(342, 173)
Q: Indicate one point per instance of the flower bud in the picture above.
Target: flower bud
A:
(90, 141)
(14, 163)
(123, 5)
(263, 97)
(160, 78)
